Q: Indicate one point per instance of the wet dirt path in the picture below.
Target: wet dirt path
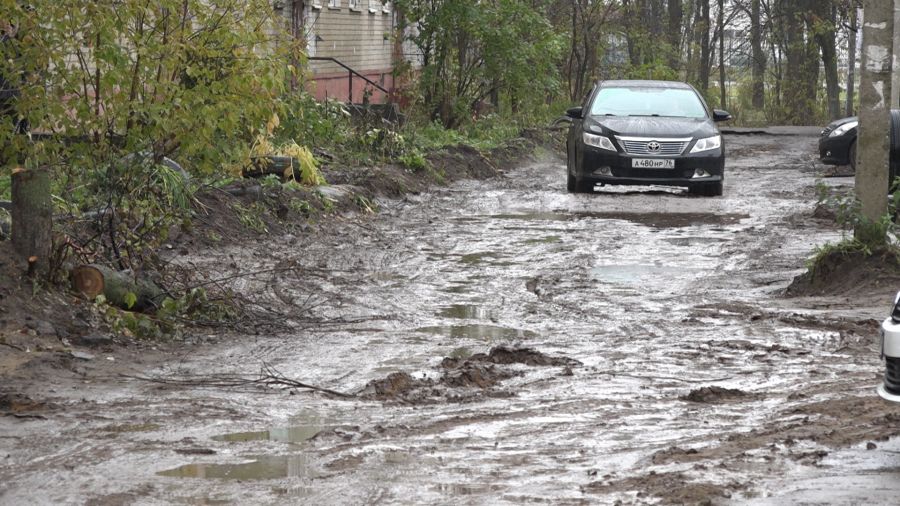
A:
(695, 380)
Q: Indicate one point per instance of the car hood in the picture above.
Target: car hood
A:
(651, 126)
(837, 123)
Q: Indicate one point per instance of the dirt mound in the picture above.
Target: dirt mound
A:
(22, 406)
(669, 488)
(395, 384)
(508, 355)
(480, 372)
(710, 395)
(475, 375)
(848, 274)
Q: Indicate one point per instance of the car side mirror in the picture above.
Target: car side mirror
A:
(720, 115)
(575, 112)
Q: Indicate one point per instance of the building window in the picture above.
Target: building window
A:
(386, 6)
(334, 4)
(316, 4)
(353, 4)
(374, 6)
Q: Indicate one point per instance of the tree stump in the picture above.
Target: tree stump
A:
(32, 217)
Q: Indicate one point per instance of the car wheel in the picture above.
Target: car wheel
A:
(853, 156)
(707, 189)
(584, 187)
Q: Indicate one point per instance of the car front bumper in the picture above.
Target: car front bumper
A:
(835, 150)
(605, 167)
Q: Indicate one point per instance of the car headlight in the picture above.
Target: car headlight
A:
(841, 130)
(598, 141)
(707, 144)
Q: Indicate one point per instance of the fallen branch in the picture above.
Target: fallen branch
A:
(268, 377)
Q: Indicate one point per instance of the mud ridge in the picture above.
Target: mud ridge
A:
(480, 373)
(714, 394)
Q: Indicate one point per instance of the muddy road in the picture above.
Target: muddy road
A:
(663, 363)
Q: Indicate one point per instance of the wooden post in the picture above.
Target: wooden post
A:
(32, 217)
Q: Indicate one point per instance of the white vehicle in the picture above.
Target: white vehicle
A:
(890, 351)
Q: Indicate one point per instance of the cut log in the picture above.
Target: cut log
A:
(32, 216)
(115, 286)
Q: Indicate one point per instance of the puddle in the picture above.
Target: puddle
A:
(458, 289)
(461, 353)
(630, 274)
(467, 312)
(550, 239)
(488, 332)
(657, 220)
(693, 241)
(284, 435)
(454, 489)
(261, 468)
(478, 258)
(141, 427)
(299, 428)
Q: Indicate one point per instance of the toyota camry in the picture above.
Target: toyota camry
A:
(645, 133)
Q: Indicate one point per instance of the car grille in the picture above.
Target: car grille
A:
(666, 148)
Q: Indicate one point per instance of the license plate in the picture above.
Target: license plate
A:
(652, 163)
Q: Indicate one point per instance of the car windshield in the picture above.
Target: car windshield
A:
(638, 101)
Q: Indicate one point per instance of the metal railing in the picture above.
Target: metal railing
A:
(350, 74)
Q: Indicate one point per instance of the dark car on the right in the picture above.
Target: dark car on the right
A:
(837, 143)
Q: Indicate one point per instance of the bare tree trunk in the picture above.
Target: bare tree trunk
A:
(703, 28)
(874, 118)
(797, 100)
(721, 23)
(825, 36)
(851, 53)
(758, 63)
(32, 217)
(676, 15)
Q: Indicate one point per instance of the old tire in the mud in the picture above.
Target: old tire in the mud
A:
(707, 189)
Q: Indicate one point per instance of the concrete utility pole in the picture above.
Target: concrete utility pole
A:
(873, 142)
(895, 80)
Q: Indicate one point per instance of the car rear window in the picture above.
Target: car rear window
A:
(677, 102)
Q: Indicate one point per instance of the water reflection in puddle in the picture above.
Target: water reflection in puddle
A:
(261, 468)
(299, 428)
(658, 220)
(467, 312)
(638, 273)
(488, 332)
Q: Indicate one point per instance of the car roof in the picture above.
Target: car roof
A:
(638, 83)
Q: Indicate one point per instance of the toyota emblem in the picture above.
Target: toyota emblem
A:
(653, 146)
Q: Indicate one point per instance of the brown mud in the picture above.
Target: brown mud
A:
(513, 343)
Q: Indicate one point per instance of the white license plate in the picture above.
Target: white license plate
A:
(652, 163)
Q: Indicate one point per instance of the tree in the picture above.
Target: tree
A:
(874, 119)
(116, 86)
(473, 49)
(757, 57)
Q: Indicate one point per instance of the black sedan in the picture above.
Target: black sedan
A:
(643, 133)
(837, 144)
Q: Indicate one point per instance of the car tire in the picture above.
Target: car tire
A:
(573, 185)
(707, 189)
(853, 156)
